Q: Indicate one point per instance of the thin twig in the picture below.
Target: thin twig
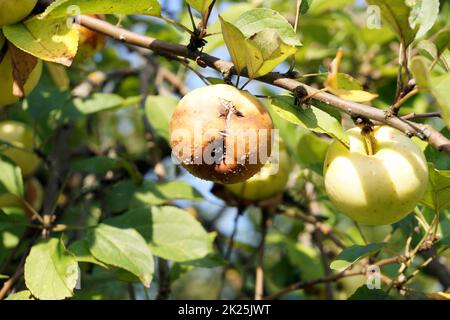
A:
(309, 283)
(414, 115)
(259, 279)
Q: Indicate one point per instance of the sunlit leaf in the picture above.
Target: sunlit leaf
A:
(352, 254)
(311, 118)
(437, 196)
(123, 248)
(50, 40)
(158, 110)
(67, 8)
(171, 233)
(21, 295)
(200, 5)
(424, 14)
(51, 272)
(397, 15)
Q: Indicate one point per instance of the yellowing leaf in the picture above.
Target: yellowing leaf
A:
(67, 8)
(333, 70)
(438, 295)
(23, 65)
(59, 75)
(199, 5)
(49, 40)
(259, 40)
(235, 42)
(354, 95)
(343, 85)
(273, 51)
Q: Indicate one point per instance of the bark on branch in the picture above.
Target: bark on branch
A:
(175, 51)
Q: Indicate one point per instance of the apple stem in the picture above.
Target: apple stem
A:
(369, 141)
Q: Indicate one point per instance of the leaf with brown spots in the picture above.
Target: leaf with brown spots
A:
(22, 66)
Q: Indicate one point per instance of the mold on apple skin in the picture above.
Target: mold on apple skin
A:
(209, 122)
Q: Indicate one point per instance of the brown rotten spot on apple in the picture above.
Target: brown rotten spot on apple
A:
(221, 133)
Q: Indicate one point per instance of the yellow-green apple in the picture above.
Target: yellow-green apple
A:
(221, 133)
(13, 11)
(268, 182)
(378, 187)
(6, 77)
(17, 143)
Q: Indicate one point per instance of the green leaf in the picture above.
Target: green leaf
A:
(200, 5)
(442, 41)
(305, 5)
(259, 40)
(230, 14)
(13, 223)
(419, 68)
(311, 149)
(103, 164)
(443, 244)
(273, 51)
(50, 40)
(352, 254)
(306, 259)
(364, 293)
(311, 118)
(21, 295)
(172, 233)
(161, 193)
(237, 46)
(67, 8)
(320, 6)
(396, 13)
(254, 21)
(11, 184)
(98, 102)
(126, 194)
(437, 196)
(80, 249)
(123, 248)
(159, 110)
(51, 272)
(440, 89)
(97, 165)
(424, 14)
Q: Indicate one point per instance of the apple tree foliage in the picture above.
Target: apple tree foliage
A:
(119, 220)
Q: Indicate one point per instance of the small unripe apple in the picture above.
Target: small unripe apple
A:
(89, 43)
(34, 193)
(21, 139)
(268, 182)
(13, 11)
(6, 77)
(221, 133)
(378, 188)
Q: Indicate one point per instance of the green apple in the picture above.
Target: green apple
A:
(379, 187)
(6, 78)
(21, 140)
(269, 181)
(13, 11)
